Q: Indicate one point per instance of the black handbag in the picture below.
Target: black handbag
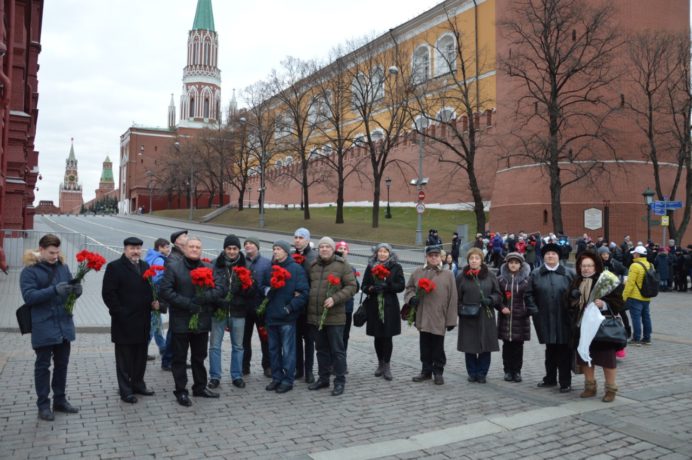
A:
(612, 331)
(469, 310)
(24, 319)
(360, 317)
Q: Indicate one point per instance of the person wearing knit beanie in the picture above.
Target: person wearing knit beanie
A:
(231, 240)
(283, 245)
(327, 240)
(254, 240)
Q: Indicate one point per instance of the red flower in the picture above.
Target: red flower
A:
(263, 334)
(245, 277)
(357, 274)
(333, 280)
(202, 277)
(299, 258)
(508, 295)
(473, 272)
(380, 272)
(279, 277)
(426, 285)
(206, 260)
(151, 271)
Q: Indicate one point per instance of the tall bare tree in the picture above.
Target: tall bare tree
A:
(559, 56)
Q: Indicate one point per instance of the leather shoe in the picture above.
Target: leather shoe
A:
(438, 379)
(205, 393)
(183, 399)
(213, 383)
(565, 389)
(546, 385)
(472, 378)
(65, 407)
(46, 414)
(508, 377)
(130, 399)
(319, 384)
(239, 383)
(517, 377)
(481, 379)
(283, 388)
(338, 389)
(272, 386)
(421, 377)
(309, 378)
(145, 392)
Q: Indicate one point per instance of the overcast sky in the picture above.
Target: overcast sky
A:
(105, 64)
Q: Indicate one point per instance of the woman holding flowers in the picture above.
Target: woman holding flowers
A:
(514, 321)
(382, 281)
(432, 296)
(478, 297)
(592, 285)
(332, 284)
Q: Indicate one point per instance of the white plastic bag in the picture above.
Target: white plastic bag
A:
(590, 322)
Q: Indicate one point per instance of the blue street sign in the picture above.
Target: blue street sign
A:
(658, 208)
(674, 205)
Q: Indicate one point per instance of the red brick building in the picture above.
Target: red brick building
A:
(20, 45)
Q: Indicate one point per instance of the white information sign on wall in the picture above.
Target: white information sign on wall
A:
(593, 218)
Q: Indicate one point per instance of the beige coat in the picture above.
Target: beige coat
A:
(438, 309)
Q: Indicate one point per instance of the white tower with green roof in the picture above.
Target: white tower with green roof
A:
(106, 183)
(200, 102)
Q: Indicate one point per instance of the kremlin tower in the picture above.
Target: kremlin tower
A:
(70, 190)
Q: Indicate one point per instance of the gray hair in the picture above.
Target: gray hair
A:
(193, 238)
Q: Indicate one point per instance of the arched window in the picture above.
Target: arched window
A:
(359, 91)
(377, 135)
(421, 122)
(445, 115)
(377, 77)
(206, 107)
(445, 55)
(207, 51)
(192, 107)
(421, 64)
(195, 44)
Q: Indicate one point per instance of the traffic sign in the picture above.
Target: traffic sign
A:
(420, 208)
(673, 204)
(664, 221)
(421, 195)
(658, 208)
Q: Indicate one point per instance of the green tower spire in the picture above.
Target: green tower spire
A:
(204, 17)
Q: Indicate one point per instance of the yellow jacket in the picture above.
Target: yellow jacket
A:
(635, 279)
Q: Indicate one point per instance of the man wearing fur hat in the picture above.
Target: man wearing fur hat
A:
(304, 341)
(546, 300)
(436, 313)
(130, 301)
(329, 341)
(45, 285)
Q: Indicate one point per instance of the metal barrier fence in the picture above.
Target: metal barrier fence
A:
(16, 242)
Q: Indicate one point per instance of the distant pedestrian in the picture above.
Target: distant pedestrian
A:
(635, 302)
(130, 301)
(45, 285)
(456, 248)
(436, 313)
(449, 264)
(382, 304)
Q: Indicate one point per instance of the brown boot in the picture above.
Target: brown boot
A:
(610, 393)
(589, 389)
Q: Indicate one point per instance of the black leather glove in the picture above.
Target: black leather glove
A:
(377, 288)
(199, 299)
(77, 289)
(486, 302)
(575, 294)
(63, 288)
(414, 301)
(450, 328)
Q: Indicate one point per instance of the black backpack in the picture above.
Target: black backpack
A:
(649, 287)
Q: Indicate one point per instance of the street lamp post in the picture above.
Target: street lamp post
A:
(151, 188)
(249, 198)
(419, 186)
(192, 191)
(388, 183)
(648, 195)
(262, 190)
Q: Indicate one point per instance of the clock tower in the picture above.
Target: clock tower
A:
(70, 190)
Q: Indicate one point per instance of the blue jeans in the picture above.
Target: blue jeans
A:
(639, 312)
(477, 364)
(167, 356)
(282, 352)
(237, 328)
(157, 333)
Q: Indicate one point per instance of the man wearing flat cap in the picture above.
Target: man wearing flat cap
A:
(178, 242)
(130, 301)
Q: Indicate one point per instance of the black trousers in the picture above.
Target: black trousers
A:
(331, 354)
(347, 329)
(42, 379)
(253, 321)
(130, 365)
(432, 353)
(198, 344)
(558, 360)
(512, 356)
(304, 363)
(384, 347)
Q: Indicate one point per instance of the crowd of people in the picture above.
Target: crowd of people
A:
(302, 301)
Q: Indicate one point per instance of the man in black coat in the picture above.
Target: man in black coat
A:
(129, 299)
(184, 301)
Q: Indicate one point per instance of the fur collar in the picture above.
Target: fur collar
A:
(523, 273)
(33, 257)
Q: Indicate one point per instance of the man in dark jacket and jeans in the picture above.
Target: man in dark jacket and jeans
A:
(305, 342)
(129, 300)
(184, 302)
(329, 341)
(261, 269)
(545, 299)
(285, 306)
(45, 284)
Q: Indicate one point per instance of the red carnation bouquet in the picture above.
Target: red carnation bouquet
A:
(425, 286)
(206, 260)
(380, 272)
(239, 275)
(149, 275)
(333, 285)
(87, 261)
(277, 281)
(202, 279)
(299, 258)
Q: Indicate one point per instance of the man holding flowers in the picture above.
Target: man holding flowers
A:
(130, 301)
(285, 301)
(332, 284)
(431, 294)
(191, 290)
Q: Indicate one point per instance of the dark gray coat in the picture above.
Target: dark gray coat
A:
(393, 285)
(545, 299)
(479, 334)
(516, 326)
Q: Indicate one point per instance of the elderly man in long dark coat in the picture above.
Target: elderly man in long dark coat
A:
(129, 299)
